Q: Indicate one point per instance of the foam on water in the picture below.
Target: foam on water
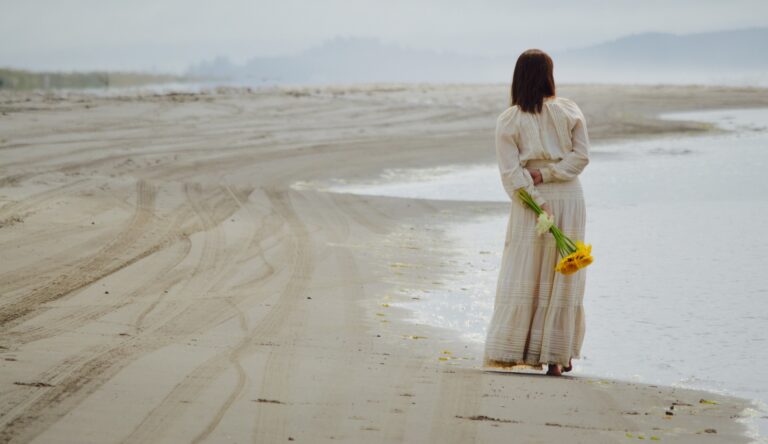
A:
(677, 294)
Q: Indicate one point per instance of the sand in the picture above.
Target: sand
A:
(162, 281)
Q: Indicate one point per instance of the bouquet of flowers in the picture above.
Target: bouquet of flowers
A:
(575, 255)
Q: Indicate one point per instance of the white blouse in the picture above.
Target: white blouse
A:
(559, 132)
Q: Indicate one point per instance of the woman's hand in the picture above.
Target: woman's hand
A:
(535, 175)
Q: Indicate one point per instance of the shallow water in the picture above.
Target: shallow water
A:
(678, 292)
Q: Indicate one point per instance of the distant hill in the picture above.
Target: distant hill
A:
(738, 56)
(352, 60)
(727, 57)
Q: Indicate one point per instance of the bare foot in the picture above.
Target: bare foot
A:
(555, 370)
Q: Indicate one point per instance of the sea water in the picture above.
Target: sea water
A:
(678, 292)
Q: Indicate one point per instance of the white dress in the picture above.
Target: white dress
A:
(538, 315)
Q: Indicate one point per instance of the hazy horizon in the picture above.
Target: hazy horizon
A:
(172, 35)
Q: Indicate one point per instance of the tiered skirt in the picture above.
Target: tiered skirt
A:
(538, 315)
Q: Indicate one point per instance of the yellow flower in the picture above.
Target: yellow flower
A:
(585, 260)
(586, 248)
(585, 254)
(570, 269)
(576, 260)
(568, 264)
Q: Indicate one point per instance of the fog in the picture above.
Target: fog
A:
(336, 40)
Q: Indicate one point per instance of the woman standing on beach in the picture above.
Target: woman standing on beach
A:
(542, 146)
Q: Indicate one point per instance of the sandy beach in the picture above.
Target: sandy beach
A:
(161, 280)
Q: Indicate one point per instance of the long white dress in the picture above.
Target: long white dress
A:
(538, 315)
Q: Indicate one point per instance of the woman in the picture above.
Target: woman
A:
(542, 146)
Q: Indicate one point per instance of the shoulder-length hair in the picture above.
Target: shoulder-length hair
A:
(532, 81)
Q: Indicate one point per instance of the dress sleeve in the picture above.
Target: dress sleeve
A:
(513, 175)
(574, 162)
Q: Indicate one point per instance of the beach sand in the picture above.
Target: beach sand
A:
(162, 281)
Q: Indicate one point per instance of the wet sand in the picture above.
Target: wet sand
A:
(162, 281)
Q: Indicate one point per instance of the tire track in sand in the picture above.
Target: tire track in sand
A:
(165, 236)
(78, 376)
(26, 206)
(277, 372)
(194, 383)
(108, 260)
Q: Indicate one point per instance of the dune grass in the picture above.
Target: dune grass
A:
(17, 79)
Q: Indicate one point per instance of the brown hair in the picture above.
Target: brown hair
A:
(532, 81)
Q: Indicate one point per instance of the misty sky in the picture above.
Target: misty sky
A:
(169, 35)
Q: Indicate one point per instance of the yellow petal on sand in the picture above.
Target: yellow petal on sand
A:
(442, 358)
(380, 314)
(415, 337)
(446, 352)
(707, 401)
(601, 381)
(629, 435)
(385, 305)
(655, 438)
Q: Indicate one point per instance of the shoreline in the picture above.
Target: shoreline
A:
(687, 401)
(394, 184)
(749, 410)
(156, 258)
